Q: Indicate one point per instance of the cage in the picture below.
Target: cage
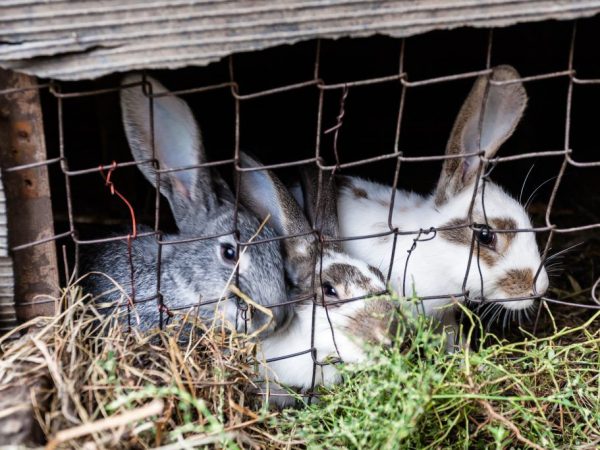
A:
(355, 88)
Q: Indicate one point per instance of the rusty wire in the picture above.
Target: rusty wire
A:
(345, 91)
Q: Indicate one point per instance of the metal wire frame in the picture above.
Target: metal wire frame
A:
(401, 77)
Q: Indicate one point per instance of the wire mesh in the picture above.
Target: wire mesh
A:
(395, 156)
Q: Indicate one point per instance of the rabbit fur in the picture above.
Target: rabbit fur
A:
(196, 272)
(341, 328)
(507, 267)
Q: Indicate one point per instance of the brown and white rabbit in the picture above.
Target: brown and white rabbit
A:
(341, 328)
(506, 267)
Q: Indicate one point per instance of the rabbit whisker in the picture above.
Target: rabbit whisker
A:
(489, 312)
(532, 196)
(498, 311)
(562, 252)
(525, 314)
(506, 319)
(525, 182)
(489, 321)
(486, 308)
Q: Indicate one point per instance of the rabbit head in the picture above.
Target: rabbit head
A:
(343, 318)
(198, 271)
(506, 263)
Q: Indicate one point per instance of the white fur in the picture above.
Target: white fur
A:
(333, 335)
(333, 339)
(298, 370)
(436, 267)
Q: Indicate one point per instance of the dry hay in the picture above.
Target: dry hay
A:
(104, 386)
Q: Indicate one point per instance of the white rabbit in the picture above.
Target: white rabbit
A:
(193, 272)
(504, 264)
(341, 328)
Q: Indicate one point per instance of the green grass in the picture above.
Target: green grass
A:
(540, 393)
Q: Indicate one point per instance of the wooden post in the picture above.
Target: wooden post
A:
(28, 196)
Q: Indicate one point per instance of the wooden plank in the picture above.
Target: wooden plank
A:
(28, 196)
(79, 39)
(8, 314)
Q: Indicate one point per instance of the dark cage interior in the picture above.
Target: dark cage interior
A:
(362, 82)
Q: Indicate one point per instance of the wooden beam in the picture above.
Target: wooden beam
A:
(28, 196)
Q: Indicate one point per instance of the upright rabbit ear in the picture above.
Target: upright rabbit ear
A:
(320, 202)
(264, 194)
(177, 143)
(486, 120)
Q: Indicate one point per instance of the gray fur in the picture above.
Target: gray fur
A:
(264, 194)
(192, 273)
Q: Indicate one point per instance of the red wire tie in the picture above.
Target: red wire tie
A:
(114, 191)
(108, 182)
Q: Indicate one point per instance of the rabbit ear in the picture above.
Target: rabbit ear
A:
(224, 194)
(323, 215)
(264, 194)
(177, 143)
(486, 120)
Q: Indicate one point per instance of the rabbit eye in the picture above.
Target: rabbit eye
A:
(329, 290)
(485, 236)
(228, 252)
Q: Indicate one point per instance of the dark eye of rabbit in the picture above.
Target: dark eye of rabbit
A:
(329, 290)
(485, 236)
(228, 253)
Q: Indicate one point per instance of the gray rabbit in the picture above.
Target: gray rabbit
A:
(193, 272)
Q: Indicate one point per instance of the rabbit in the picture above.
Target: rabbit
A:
(197, 271)
(341, 328)
(509, 262)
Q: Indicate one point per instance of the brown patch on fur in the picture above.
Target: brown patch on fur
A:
(377, 273)
(359, 193)
(344, 277)
(504, 223)
(463, 236)
(376, 323)
(460, 236)
(340, 274)
(487, 255)
(346, 183)
(517, 282)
